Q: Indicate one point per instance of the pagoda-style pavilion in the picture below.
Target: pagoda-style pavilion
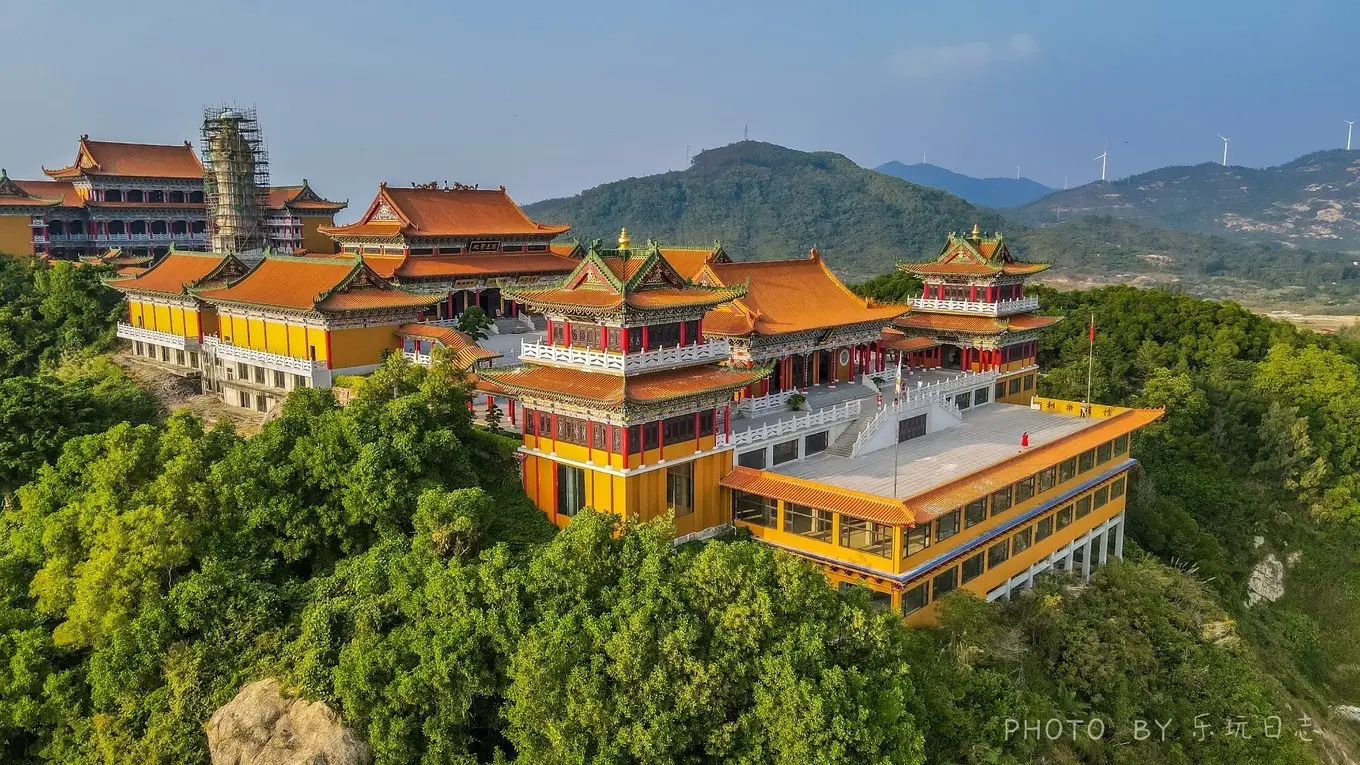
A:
(627, 399)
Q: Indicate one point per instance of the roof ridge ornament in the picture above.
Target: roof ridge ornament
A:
(624, 242)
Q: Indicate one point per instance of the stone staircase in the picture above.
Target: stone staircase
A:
(845, 442)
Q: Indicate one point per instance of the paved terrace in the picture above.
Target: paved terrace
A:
(986, 436)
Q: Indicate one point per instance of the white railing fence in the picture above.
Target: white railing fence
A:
(847, 410)
(919, 398)
(179, 342)
(592, 359)
(999, 308)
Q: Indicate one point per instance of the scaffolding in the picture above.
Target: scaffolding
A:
(236, 180)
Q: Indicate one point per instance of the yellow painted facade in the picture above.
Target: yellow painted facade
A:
(361, 346)
(172, 320)
(16, 236)
(312, 239)
(277, 336)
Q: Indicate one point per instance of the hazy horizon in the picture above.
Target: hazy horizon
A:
(551, 99)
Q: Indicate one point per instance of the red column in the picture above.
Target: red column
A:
(699, 332)
(972, 293)
(450, 306)
(645, 347)
(626, 451)
(566, 333)
(604, 337)
(696, 429)
(727, 422)
(623, 340)
(548, 336)
(682, 333)
(511, 405)
(553, 427)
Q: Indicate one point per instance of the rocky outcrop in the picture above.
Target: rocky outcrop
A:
(261, 726)
(1267, 581)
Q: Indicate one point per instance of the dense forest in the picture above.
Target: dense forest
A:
(381, 557)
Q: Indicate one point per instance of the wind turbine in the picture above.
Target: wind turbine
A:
(1349, 125)
(1017, 172)
(1225, 148)
(1104, 155)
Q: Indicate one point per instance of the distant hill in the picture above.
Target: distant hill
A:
(988, 192)
(764, 201)
(1313, 201)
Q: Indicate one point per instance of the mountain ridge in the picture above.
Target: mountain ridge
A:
(988, 192)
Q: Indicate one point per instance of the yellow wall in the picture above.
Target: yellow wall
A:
(361, 347)
(272, 336)
(16, 237)
(172, 320)
(315, 241)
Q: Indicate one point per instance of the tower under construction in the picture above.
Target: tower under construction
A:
(236, 180)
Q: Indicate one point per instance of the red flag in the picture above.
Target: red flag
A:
(1092, 334)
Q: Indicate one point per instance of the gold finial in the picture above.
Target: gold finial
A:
(624, 243)
(977, 233)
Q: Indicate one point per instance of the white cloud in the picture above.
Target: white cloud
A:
(963, 58)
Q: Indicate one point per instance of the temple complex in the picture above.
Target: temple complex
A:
(142, 199)
(464, 244)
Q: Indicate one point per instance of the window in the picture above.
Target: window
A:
(1067, 470)
(679, 430)
(918, 538)
(1029, 382)
(786, 451)
(752, 459)
(193, 359)
(545, 424)
(1001, 501)
(947, 525)
(980, 396)
(1022, 540)
(585, 335)
(634, 339)
(1117, 488)
(571, 430)
(1024, 489)
(1048, 479)
(815, 443)
(261, 403)
(138, 345)
(1102, 497)
(945, 582)
(179, 358)
(1000, 390)
(964, 400)
(916, 598)
(1015, 386)
(1043, 529)
(754, 509)
(558, 333)
(651, 435)
(971, 568)
(259, 375)
(975, 512)
(1121, 445)
(599, 436)
(663, 335)
(635, 439)
(1087, 461)
(707, 421)
(680, 488)
(912, 427)
(571, 490)
(243, 399)
(866, 536)
(279, 379)
(1103, 453)
(808, 521)
(1084, 506)
(1065, 517)
(998, 553)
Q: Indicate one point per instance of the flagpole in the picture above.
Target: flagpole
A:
(1091, 356)
(897, 439)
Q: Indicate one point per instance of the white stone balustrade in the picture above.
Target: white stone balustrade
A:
(846, 410)
(755, 406)
(594, 360)
(314, 370)
(981, 307)
(919, 398)
(166, 339)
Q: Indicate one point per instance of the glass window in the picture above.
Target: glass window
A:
(1043, 529)
(980, 396)
(1087, 461)
(1001, 501)
(974, 512)
(998, 553)
(964, 400)
(971, 568)
(947, 525)
(785, 452)
(912, 427)
(651, 435)
(866, 536)
(1103, 453)
(1067, 470)
(679, 430)
(680, 488)
(1121, 445)
(599, 435)
(1015, 386)
(918, 538)
(754, 509)
(916, 598)
(1021, 541)
(1084, 506)
(808, 521)
(1024, 489)
(752, 459)
(945, 582)
(1117, 488)
(571, 489)
(1029, 382)
(1048, 479)
(1065, 517)
(1000, 390)
(1102, 496)
(815, 443)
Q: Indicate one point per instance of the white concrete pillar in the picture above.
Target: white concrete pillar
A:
(1086, 559)
(1119, 538)
(1105, 544)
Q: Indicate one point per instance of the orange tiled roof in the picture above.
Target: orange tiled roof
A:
(176, 273)
(134, 160)
(979, 483)
(14, 194)
(566, 249)
(470, 266)
(949, 322)
(131, 270)
(615, 390)
(466, 352)
(323, 284)
(896, 341)
(728, 321)
(1031, 321)
(689, 261)
(435, 212)
(62, 190)
(959, 268)
(812, 494)
(974, 254)
(301, 197)
(793, 296)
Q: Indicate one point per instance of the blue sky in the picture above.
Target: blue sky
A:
(549, 98)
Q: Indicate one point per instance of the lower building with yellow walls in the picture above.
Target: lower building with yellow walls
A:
(298, 322)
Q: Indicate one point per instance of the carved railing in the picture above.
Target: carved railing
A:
(999, 308)
(847, 410)
(595, 360)
(228, 352)
(178, 342)
(922, 397)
